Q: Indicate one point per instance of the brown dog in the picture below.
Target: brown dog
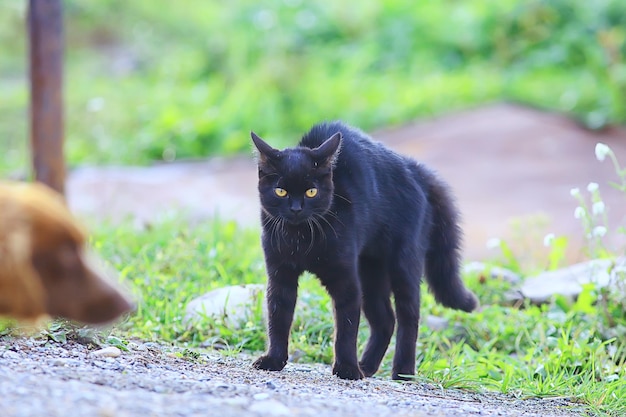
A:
(43, 270)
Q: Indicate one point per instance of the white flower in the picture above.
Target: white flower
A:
(593, 186)
(547, 239)
(579, 213)
(619, 269)
(597, 208)
(574, 192)
(95, 104)
(599, 231)
(602, 151)
(493, 243)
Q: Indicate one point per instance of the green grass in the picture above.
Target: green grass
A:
(146, 83)
(564, 349)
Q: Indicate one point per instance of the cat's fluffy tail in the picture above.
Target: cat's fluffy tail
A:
(443, 256)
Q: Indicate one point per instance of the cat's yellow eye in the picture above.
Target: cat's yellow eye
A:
(311, 192)
(280, 192)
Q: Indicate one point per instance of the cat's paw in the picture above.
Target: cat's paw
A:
(368, 370)
(345, 371)
(269, 363)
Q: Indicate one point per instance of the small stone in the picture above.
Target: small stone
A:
(9, 354)
(269, 408)
(107, 412)
(220, 384)
(261, 396)
(59, 362)
(132, 346)
(108, 352)
(469, 409)
(296, 355)
(436, 323)
(151, 346)
(270, 385)
(232, 304)
(236, 402)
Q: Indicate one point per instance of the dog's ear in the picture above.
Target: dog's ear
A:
(21, 293)
(21, 290)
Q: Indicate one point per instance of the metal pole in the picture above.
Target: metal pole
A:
(45, 28)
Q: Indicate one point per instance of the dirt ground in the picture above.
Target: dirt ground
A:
(41, 378)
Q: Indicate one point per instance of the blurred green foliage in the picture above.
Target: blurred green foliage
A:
(161, 80)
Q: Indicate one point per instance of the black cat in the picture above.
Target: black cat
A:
(368, 223)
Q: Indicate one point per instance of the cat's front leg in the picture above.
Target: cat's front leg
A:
(282, 292)
(345, 292)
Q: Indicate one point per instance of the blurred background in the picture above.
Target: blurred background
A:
(154, 81)
(506, 98)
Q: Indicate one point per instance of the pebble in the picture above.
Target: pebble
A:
(9, 354)
(108, 352)
(436, 323)
(238, 402)
(269, 408)
(59, 362)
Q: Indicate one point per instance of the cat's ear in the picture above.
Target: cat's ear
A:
(327, 152)
(266, 152)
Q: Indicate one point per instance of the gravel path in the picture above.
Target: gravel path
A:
(40, 378)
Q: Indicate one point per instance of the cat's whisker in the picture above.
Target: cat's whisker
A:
(268, 221)
(282, 232)
(320, 228)
(266, 224)
(343, 198)
(337, 219)
(268, 175)
(319, 216)
(309, 223)
(278, 230)
(334, 216)
(275, 234)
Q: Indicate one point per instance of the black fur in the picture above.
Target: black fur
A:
(379, 220)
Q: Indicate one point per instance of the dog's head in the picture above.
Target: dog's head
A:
(43, 265)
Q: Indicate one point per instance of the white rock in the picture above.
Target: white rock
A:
(107, 352)
(9, 354)
(436, 323)
(59, 362)
(233, 305)
(269, 408)
(569, 281)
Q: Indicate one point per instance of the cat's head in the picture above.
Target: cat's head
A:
(296, 184)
